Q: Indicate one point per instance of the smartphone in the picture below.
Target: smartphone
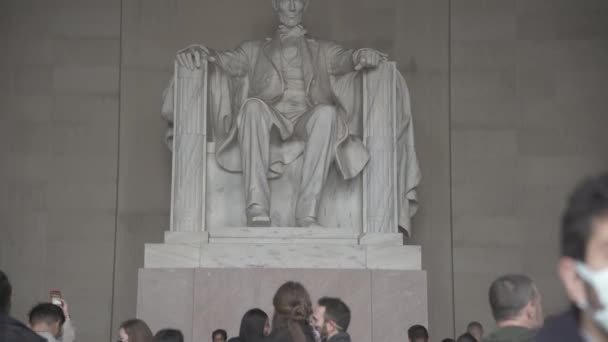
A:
(56, 297)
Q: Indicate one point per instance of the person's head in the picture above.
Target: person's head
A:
(476, 329)
(169, 335)
(134, 330)
(290, 12)
(48, 318)
(448, 340)
(220, 335)
(6, 292)
(292, 310)
(418, 333)
(254, 325)
(515, 301)
(466, 337)
(583, 266)
(331, 316)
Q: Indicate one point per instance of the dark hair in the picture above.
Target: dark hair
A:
(6, 292)
(169, 335)
(336, 310)
(221, 332)
(417, 331)
(137, 330)
(448, 340)
(46, 313)
(292, 309)
(509, 294)
(588, 201)
(466, 337)
(252, 325)
(473, 325)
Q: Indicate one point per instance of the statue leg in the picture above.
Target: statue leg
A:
(320, 133)
(254, 126)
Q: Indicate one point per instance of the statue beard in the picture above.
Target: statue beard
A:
(290, 21)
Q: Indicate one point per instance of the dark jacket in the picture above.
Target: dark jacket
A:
(282, 335)
(250, 339)
(12, 330)
(340, 337)
(511, 334)
(562, 328)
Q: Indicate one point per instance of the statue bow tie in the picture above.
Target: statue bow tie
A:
(291, 32)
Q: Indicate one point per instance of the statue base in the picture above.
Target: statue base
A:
(317, 248)
(199, 282)
(199, 300)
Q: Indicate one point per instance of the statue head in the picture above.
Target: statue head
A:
(290, 12)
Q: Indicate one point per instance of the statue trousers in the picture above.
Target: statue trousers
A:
(315, 127)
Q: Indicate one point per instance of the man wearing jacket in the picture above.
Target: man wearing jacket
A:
(516, 307)
(331, 319)
(10, 328)
(583, 266)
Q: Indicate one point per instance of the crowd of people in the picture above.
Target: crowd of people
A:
(514, 299)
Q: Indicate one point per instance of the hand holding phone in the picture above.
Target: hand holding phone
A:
(56, 297)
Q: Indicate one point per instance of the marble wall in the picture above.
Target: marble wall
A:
(59, 99)
(528, 85)
(508, 100)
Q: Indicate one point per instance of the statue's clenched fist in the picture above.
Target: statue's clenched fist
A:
(368, 59)
(192, 56)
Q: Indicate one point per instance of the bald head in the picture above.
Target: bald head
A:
(515, 298)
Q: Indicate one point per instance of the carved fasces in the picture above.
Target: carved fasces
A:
(379, 136)
(189, 149)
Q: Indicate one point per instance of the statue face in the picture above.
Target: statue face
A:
(290, 12)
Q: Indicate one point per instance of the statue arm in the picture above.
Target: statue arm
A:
(235, 62)
(341, 61)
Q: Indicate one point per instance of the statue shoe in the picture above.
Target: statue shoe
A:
(258, 217)
(308, 222)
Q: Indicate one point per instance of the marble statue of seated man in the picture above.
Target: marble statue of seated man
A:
(289, 111)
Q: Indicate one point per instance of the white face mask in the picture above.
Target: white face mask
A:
(317, 334)
(599, 282)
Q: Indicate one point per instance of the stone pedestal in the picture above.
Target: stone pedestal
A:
(199, 282)
(384, 303)
(282, 248)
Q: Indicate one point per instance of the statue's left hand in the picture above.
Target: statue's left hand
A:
(369, 58)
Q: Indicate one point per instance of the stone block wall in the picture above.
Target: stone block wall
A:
(509, 107)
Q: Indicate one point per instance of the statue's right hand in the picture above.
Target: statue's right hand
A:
(191, 56)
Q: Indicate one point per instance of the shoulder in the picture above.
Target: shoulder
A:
(316, 43)
(341, 337)
(14, 330)
(277, 336)
(563, 327)
(311, 40)
(252, 45)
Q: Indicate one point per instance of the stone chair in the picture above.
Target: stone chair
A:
(208, 207)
